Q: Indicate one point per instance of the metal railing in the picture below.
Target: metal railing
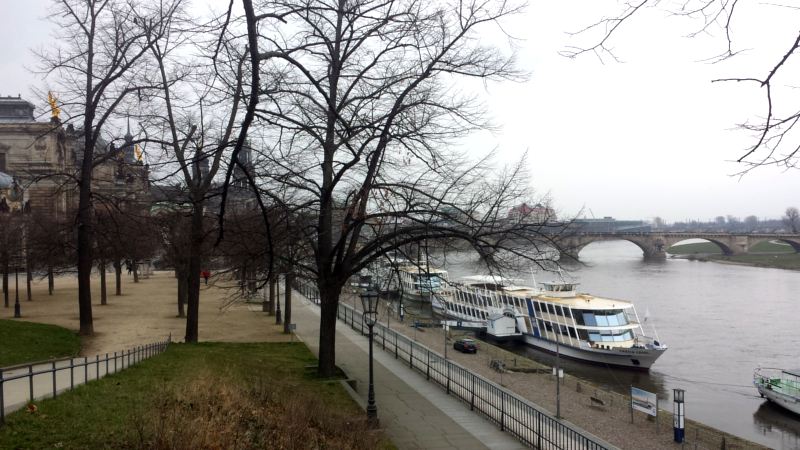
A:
(113, 363)
(512, 413)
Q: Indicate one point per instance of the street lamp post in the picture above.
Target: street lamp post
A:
(679, 411)
(17, 314)
(369, 301)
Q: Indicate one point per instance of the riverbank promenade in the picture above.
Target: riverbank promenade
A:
(415, 413)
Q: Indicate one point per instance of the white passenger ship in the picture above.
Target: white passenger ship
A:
(586, 327)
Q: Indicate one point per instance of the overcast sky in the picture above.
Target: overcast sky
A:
(647, 137)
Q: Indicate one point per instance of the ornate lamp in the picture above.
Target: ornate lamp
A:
(369, 301)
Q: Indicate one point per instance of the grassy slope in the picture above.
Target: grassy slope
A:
(710, 247)
(100, 415)
(24, 342)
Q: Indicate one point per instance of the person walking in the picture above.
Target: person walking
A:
(129, 266)
(205, 274)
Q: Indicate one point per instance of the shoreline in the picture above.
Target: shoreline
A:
(715, 258)
(534, 382)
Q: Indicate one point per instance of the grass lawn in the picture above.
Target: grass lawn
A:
(710, 247)
(782, 261)
(24, 342)
(206, 395)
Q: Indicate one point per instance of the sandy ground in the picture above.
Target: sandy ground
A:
(146, 312)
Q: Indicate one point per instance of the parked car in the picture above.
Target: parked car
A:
(466, 346)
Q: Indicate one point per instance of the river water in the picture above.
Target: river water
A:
(720, 321)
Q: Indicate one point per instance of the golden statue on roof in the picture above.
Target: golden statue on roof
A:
(138, 154)
(52, 100)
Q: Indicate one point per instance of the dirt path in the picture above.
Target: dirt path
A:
(145, 312)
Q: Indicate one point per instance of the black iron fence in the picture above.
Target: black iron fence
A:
(56, 369)
(512, 413)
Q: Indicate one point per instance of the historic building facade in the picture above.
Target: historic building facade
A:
(43, 158)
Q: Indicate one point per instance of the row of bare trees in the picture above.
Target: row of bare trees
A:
(307, 138)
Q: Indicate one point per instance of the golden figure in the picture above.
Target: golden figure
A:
(52, 100)
(138, 154)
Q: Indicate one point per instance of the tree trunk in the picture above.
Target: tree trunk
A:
(183, 291)
(265, 300)
(195, 254)
(135, 272)
(327, 327)
(28, 276)
(287, 303)
(272, 283)
(118, 274)
(5, 280)
(103, 299)
(51, 282)
(85, 250)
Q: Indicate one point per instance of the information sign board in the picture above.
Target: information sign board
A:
(644, 401)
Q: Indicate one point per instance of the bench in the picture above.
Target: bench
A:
(598, 402)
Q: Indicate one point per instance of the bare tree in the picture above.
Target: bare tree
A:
(96, 65)
(791, 218)
(774, 133)
(751, 222)
(357, 111)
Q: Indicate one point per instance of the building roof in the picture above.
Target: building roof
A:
(16, 110)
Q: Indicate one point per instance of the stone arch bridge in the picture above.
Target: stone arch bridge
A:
(655, 244)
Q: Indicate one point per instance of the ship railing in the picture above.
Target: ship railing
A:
(512, 413)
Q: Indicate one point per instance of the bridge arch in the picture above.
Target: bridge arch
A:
(722, 246)
(795, 243)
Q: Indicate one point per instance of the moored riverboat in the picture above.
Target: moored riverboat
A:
(419, 281)
(779, 386)
(583, 327)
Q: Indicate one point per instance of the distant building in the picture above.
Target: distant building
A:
(45, 159)
(537, 214)
(610, 225)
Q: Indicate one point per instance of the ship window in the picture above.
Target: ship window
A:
(548, 326)
(566, 312)
(612, 321)
(579, 318)
(594, 335)
(623, 320)
(589, 319)
(550, 308)
(536, 306)
(572, 333)
(528, 324)
(583, 334)
(541, 325)
(483, 316)
(619, 337)
(602, 321)
(558, 311)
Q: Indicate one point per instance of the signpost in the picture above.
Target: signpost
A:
(292, 327)
(646, 402)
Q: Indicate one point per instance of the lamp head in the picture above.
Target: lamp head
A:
(369, 301)
(678, 395)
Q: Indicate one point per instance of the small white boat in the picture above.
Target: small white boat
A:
(418, 281)
(780, 386)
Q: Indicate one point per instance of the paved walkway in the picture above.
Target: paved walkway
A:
(415, 413)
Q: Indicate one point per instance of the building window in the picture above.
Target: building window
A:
(2, 162)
